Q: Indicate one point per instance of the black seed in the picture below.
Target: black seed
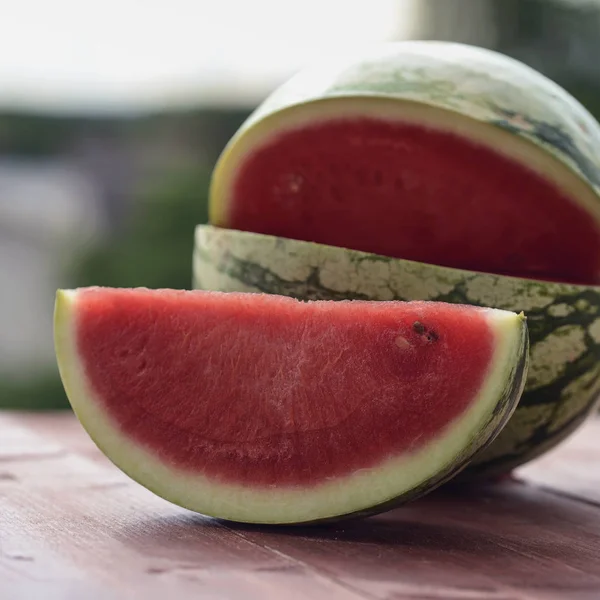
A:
(432, 336)
(419, 328)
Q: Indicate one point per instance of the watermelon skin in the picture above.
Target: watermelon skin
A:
(482, 97)
(564, 321)
(475, 82)
(105, 338)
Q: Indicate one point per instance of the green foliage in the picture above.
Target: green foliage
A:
(29, 135)
(155, 250)
(43, 392)
(587, 92)
(40, 136)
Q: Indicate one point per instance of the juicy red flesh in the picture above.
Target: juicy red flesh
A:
(408, 192)
(267, 390)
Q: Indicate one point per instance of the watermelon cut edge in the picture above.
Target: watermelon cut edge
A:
(370, 490)
(265, 130)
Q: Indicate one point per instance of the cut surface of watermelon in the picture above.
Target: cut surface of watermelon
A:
(408, 191)
(410, 182)
(262, 408)
(429, 151)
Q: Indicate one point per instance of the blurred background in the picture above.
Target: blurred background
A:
(113, 113)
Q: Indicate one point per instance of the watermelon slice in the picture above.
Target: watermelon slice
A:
(261, 408)
(434, 152)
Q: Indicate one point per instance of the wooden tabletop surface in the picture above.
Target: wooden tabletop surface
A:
(73, 527)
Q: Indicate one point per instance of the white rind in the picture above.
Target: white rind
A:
(362, 490)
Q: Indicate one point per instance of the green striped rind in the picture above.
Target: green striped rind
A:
(563, 320)
(480, 84)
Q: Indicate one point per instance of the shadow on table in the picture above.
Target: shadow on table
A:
(506, 534)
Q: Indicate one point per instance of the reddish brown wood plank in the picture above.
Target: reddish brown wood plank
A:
(68, 518)
(573, 468)
(502, 543)
(78, 520)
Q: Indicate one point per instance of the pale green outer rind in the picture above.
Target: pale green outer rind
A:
(563, 320)
(504, 101)
(364, 492)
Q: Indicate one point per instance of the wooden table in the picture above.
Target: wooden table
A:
(73, 527)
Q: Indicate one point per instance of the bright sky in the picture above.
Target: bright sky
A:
(101, 54)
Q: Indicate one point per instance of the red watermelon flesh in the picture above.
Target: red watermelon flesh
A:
(407, 191)
(273, 391)
(263, 390)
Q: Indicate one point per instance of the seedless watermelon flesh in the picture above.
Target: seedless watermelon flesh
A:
(261, 408)
(410, 182)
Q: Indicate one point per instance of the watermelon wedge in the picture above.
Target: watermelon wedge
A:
(435, 152)
(265, 409)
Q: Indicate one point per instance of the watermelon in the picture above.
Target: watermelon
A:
(429, 151)
(563, 319)
(261, 408)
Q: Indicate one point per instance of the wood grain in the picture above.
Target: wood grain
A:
(73, 526)
(573, 468)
